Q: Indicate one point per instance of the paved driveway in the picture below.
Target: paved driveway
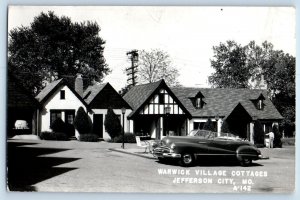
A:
(74, 166)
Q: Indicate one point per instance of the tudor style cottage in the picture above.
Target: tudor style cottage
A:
(60, 100)
(159, 110)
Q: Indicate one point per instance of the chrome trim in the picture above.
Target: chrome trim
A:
(171, 155)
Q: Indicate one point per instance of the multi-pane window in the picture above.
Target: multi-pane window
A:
(54, 114)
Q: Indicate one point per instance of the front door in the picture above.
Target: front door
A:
(69, 120)
(98, 125)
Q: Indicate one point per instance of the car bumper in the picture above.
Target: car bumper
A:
(164, 152)
(261, 157)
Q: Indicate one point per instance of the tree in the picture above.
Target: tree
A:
(209, 126)
(82, 121)
(112, 124)
(229, 63)
(58, 126)
(155, 65)
(53, 47)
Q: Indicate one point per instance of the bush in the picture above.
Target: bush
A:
(259, 135)
(89, 138)
(128, 138)
(112, 124)
(82, 121)
(47, 135)
(58, 125)
(277, 136)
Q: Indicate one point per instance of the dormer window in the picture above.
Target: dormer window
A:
(259, 102)
(198, 101)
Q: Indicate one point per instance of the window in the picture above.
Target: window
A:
(54, 114)
(62, 94)
(260, 104)
(198, 125)
(161, 98)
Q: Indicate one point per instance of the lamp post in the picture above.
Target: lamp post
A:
(123, 113)
(167, 112)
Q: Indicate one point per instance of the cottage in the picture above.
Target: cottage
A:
(159, 110)
(60, 100)
(100, 97)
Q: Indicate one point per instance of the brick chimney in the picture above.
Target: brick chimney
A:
(79, 84)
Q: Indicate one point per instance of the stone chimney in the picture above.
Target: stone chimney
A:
(79, 84)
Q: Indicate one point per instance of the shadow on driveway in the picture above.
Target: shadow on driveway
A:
(25, 168)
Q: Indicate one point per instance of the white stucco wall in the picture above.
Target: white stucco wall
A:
(117, 112)
(54, 102)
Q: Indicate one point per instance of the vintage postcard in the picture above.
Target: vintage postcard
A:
(142, 99)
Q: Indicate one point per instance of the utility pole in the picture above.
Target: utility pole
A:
(131, 71)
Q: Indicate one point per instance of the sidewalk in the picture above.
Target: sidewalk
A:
(134, 150)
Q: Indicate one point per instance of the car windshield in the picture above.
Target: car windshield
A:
(202, 134)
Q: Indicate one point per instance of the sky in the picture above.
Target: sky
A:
(187, 34)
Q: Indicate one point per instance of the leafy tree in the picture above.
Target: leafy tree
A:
(229, 63)
(259, 135)
(53, 47)
(82, 121)
(209, 126)
(112, 124)
(155, 65)
(277, 136)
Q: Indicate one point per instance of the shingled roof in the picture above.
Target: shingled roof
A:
(48, 89)
(52, 87)
(137, 95)
(221, 102)
(92, 91)
(218, 101)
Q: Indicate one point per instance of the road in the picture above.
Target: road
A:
(72, 166)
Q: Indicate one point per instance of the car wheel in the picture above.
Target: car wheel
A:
(246, 162)
(187, 159)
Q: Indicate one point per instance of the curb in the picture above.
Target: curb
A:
(130, 153)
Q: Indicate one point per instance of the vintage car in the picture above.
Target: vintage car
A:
(200, 144)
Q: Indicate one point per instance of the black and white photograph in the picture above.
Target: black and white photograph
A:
(151, 99)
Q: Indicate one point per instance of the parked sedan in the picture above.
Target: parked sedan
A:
(201, 143)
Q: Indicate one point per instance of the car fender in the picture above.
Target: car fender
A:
(184, 147)
(247, 152)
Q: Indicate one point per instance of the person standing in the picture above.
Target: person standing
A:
(271, 139)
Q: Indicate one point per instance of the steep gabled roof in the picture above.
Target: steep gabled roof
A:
(222, 101)
(92, 91)
(52, 87)
(139, 95)
(42, 96)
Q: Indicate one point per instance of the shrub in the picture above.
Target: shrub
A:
(47, 135)
(277, 136)
(89, 138)
(58, 125)
(112, 124)
(128, 138)
(259, 135)
(82, 121)
(209, 126)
